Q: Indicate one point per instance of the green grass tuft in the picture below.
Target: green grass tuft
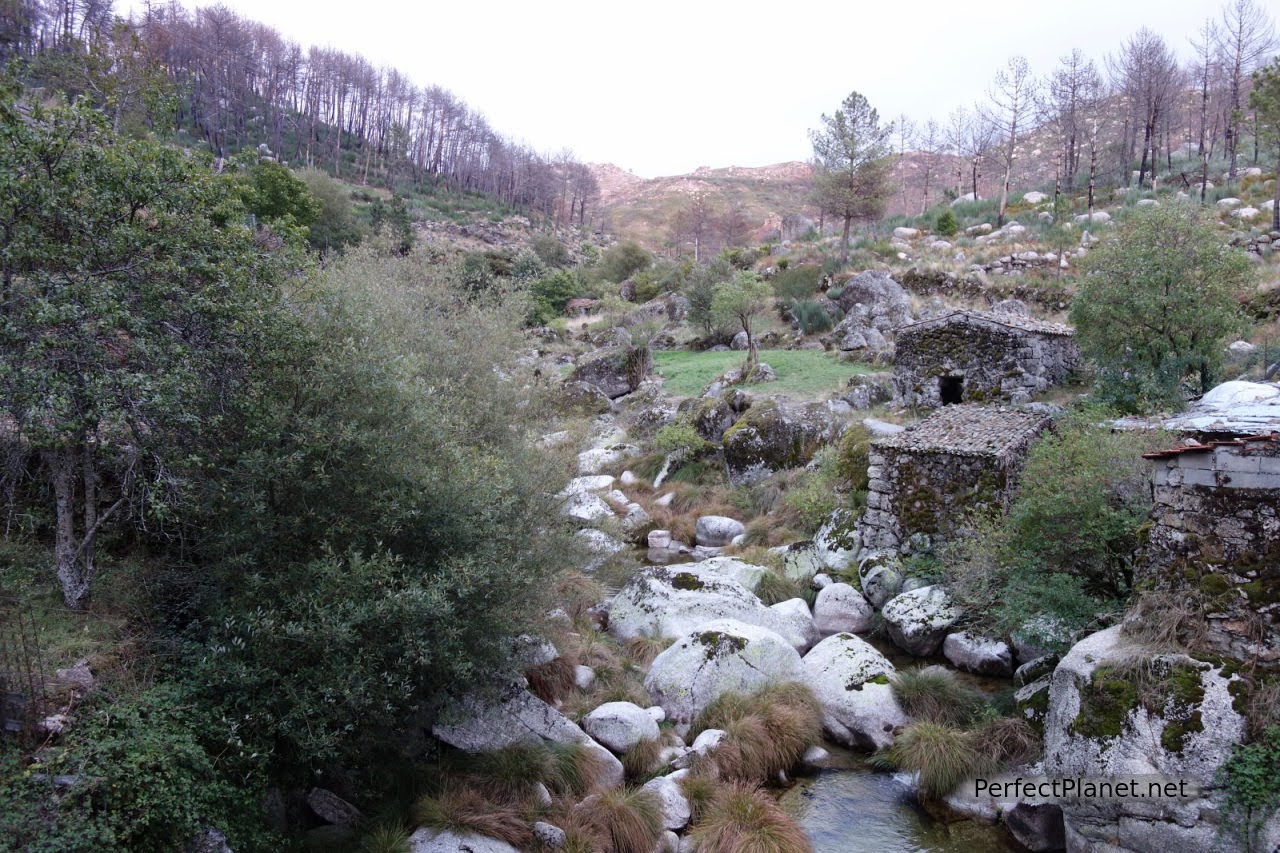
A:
(800, 372)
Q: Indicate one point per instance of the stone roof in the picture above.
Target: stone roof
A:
(1012, 321)
(969, 430)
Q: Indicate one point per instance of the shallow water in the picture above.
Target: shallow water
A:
(856, 810)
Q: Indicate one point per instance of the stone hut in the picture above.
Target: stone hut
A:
(1215, 531)
(925, 478)
(980, 357)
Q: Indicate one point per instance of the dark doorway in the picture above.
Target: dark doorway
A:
(951, 389)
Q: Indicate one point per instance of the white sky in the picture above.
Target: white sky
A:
(664, 86)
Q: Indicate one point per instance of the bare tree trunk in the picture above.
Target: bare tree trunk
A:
(844, 243)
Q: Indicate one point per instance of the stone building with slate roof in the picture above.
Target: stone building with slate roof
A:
(1215, 532)
(980, 357)
(924, 479)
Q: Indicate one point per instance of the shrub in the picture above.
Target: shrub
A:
(551, 294)
(937, 695)
(946, 224)
(681, 437)
(852, 458)
(797, 283)
(744, 819)
(144, 780)
(1187, 299)
(624, 260)
(334, 227)
(550, 251)
(812, 317)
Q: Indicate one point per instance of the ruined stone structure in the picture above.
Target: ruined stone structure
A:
(1216, 531)
(980, 357)
(924, 479)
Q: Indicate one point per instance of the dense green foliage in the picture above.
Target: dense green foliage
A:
(323, 480)
(1157, 306)
(1252, 779)
(1065, 547)
(624, 260)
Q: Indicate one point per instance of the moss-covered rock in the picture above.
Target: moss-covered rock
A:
(773, 436)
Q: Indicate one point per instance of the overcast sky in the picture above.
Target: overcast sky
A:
(664, 86)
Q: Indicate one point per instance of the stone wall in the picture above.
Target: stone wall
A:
(994, 360)
(924, 480)
(1215, 530)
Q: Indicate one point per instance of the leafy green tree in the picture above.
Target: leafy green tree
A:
(851, 153)
(1158, 304)
(742, 300)
(132, 302)
(279, 198)
(552, 293)
(947, 225)
(381, 529)
(622, 261)
(394, 219)
(1265, 100)
(335, 226)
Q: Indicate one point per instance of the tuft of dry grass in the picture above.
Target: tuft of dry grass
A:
(640, 762)
(765, 733)
(623, 820)
(943, 756)
(699, 789)
(1008, 741)
(1168, 621)
(578, 593)
(642, 650)
(744, 819)
(463, 809)
(936, 695)
(553, 681)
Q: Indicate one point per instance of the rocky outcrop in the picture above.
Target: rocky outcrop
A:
(774, 436)
(483, 723)
(1116, 711)
(717, 531)
(851, 680)
(669, 601)
(717, 657)
(874, 306)
(919, 620)
(427, 840)
(605, 370)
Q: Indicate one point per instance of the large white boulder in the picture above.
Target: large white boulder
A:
(620, 725)
(671, 799)
(1034, 197)
(981, 655)
(840, 608)
(837, 541)
(717, 531)
(795, 612)
(904, 233)
(669, 601)
(483, 723)
(592, 483)
(427, 840)
(919, 620)
(718, 657)
(586, 508)
(800, 560)
(881, 576)
(1116, 711)
(851, 680)
(747, 574)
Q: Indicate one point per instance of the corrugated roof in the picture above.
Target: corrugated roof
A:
(1273, 437)
(1012, 321)
(969, 430)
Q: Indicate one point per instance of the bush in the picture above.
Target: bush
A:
(1065, 547)
(797, 283)
(946, 224)
(144, 781)
(551, 294)
(550, 251)
(624, 260)
(335, 227)
(744, 819)
(1252, 779)
(1186, 299)
(812, 317)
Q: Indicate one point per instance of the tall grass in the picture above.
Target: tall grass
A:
(744, 819)
(624, 820)
(936, 695)
(765, 733)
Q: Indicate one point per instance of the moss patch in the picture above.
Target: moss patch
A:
(686, 581)
(1172, 691)
(718, 643)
